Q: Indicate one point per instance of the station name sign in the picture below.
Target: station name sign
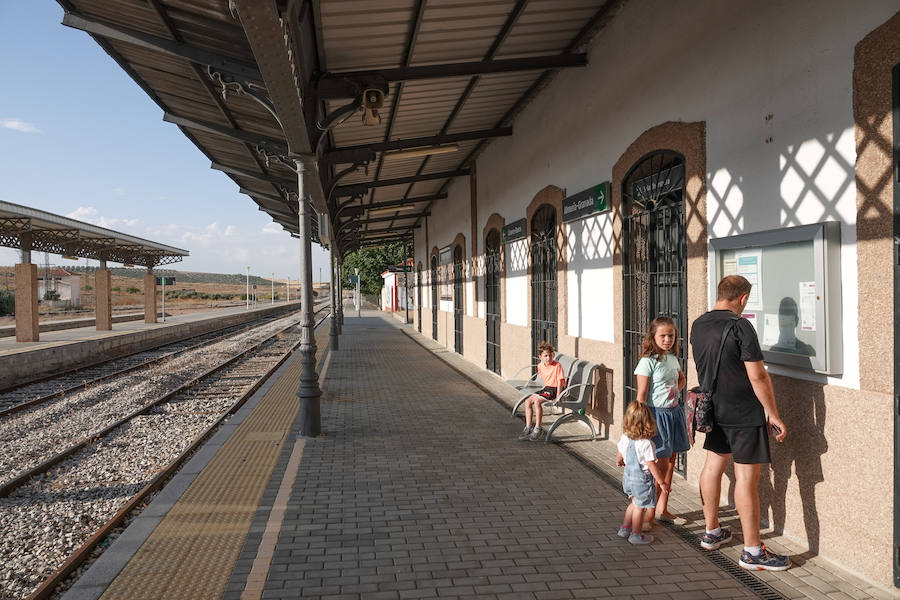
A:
(591, 201)
(165, 281)
(660, 183)
(514, 231)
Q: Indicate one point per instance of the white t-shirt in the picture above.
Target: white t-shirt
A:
(645, 450)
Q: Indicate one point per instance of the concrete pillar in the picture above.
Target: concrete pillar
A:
(26, 303)
(308, 392)
(150, 298)
(334, 324)
(102, 293)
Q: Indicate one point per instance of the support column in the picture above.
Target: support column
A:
(149, 296)
(102, 289)
(26, 300)
(340, 279)
(308, 392)
(334, 325)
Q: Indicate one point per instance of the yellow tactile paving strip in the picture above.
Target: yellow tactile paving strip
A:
(193, 550)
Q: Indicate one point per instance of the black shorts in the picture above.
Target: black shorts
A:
(548, 393)
(747, 445)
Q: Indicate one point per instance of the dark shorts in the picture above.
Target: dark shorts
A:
(747, 445)
(548, 393)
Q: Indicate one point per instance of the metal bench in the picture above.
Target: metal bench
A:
(575, 397)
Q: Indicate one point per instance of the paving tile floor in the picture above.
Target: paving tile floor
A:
(418, 489)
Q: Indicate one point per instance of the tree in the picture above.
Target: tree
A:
(371, 262)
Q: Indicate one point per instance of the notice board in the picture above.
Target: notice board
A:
(795, 302)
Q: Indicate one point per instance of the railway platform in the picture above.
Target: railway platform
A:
(417, 488)
(64, 349)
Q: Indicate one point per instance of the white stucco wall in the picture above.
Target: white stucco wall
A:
(731, 65)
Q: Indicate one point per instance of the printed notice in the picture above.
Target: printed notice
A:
(770, 329)
(752, 318)
(807, 305)
(729, 267)
(749, 266)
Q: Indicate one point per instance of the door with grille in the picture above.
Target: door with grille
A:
(419, 298)
(457, 300)
(434, 297)
(543, 278)
(492, 298)
(654, 257)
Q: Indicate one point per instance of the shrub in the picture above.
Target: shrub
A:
(132, 290)
(51, 295)
(7, 303)
(117, 289)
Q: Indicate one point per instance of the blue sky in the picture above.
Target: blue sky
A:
(79, 138)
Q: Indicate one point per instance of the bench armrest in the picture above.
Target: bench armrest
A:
(522, 369)
(565, 392)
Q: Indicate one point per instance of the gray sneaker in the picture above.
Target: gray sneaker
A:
(536, 434)
(525, 434)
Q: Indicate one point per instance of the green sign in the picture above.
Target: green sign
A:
(514, 231)
(165, 281)
(589, 202)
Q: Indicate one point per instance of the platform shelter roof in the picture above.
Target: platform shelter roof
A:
(383, 102)
(37, 230)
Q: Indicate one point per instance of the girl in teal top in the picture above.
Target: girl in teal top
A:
(659, 384)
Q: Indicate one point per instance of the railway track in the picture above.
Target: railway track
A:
(35, 393)
(53, 514)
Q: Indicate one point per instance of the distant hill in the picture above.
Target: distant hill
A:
(180, 276)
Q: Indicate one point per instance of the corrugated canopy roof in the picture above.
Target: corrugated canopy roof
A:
(260, 84)
(46, 232)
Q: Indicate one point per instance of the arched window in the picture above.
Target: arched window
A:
(458, 299)
(492, 298)
(654, 255)
(543, 278)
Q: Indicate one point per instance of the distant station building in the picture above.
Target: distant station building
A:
(64, 287)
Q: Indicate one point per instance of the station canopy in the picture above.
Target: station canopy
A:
(36, 230)
(383, 102)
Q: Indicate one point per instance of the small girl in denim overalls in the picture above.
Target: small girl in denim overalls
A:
(637, 454)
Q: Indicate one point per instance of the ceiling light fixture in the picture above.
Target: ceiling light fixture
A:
(427, 151)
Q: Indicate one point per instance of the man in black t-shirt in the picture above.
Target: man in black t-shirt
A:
(744, 407)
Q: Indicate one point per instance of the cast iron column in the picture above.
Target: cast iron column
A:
(308, 392)
(334, 326)
(340, 268)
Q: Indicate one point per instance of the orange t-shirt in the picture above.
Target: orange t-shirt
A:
(552, 374)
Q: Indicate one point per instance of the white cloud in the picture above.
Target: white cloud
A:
(88, 214)
(272, 228)
(19, 125)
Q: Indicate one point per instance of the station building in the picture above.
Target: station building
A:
(752, 138)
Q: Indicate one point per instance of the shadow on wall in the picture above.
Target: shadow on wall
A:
(800, 456)
(602, 406)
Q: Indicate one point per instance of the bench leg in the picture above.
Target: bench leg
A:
(568, 417)
(519, 403)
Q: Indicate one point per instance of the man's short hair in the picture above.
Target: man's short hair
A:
(733, 287)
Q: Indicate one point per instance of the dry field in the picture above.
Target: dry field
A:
(127, 296)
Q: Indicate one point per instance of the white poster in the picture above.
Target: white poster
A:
(771, 329)
(749, 266)
(729, 266)
(808, 305)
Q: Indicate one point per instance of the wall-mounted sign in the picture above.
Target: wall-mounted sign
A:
(514, 231)
(659, 183)
(591, 201)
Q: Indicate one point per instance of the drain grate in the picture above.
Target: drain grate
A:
(760, 588)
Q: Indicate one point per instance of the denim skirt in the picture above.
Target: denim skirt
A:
(671, 431)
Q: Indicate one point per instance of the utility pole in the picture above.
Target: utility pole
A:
(273, 288)
(247, 295)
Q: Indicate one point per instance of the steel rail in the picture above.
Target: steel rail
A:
(9, 486)
(92, 365)
(46, 588)
(229, 331)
